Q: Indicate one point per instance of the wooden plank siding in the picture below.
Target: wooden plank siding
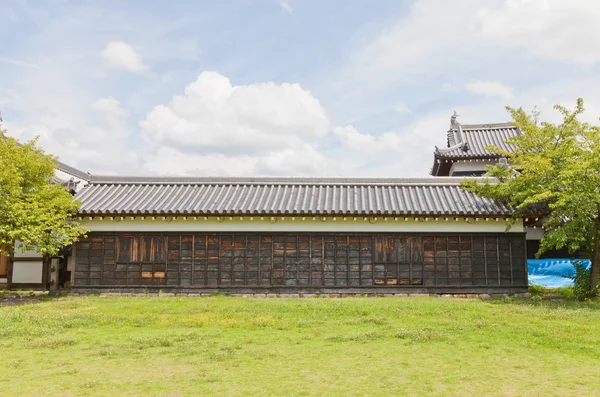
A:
(216, 260)
(4, 258)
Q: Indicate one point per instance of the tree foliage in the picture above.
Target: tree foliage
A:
(553, 174)
(33, 207)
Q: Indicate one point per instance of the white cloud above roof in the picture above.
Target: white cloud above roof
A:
(110, 109)
(269, 128)
(433, 34)
(490, 88)
(402, 109)
(380, 144)
(354, 90)
(285, 4)
(120, 55)
(553, 29)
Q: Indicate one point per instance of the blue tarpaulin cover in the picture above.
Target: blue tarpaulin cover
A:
(551, 272)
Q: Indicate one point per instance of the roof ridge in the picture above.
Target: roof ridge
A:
(73, 171)
(487, 126)
(182, 180)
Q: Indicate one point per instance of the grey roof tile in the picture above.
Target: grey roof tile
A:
(72, 171)
(470, 141)
(274, 196)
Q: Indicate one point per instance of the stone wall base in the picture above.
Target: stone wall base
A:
(484, 293)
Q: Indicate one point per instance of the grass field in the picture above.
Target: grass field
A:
(228, 346)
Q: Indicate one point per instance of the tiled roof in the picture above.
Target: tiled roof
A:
(227, 196)
(470, 141)
(72, 171)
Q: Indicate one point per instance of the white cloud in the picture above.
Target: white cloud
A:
(110, 109)
(419, 58)
(9, 14)
(268, 128)
(432, 29)
(92, 136)
(18, 62)
(406, 151)
(98, 149)
(121, 55)
(285, 5)
(448, 88)
(452, 42)
(490, 89)
(375, 145)
(170, 161)
(304, 160)
(432, 59)
(552, 29)
(402, 109)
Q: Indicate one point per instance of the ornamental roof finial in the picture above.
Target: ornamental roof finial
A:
(453, 121)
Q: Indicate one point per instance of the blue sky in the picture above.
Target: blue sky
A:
(283, 87)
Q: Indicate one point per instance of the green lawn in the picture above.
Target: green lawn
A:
(228, 346)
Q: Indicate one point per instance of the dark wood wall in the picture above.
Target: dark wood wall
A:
(4, 258)
(304, 260)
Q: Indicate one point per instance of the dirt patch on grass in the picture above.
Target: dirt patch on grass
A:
(13, 299)
(18, 301)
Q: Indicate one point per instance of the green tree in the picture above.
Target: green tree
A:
(33, 207)
(553, 174)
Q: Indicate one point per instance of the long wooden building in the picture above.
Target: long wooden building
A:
(296, 234)
(311, 235)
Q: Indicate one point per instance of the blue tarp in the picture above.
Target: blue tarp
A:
(550, 272)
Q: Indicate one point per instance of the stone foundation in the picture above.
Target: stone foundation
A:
(487, 293)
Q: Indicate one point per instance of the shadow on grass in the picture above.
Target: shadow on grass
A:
(544, 301)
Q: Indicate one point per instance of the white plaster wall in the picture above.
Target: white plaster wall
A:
(27, 272)
(70, 262)
(534, 234)
(266, 224)
(19, 253)
(478, 165)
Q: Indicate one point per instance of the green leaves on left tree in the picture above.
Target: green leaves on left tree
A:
(34, 208)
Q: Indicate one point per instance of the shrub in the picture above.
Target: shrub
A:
(582, 289)
(536, 289)
(539, 290)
